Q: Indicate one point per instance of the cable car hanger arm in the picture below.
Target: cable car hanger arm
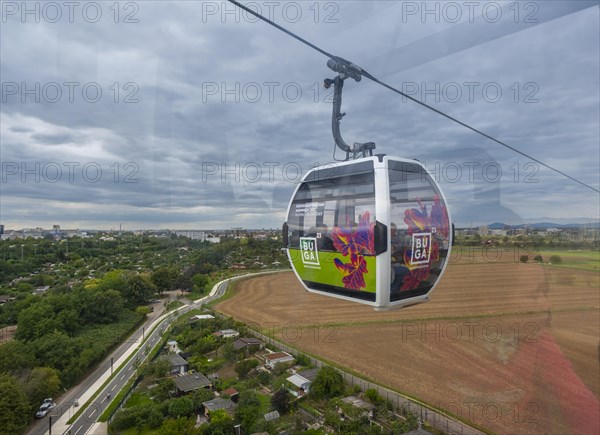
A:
(345, 70)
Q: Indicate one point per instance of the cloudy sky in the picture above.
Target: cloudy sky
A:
(193, 115)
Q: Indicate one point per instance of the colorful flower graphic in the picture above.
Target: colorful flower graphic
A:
(420, 221)
(354, 242)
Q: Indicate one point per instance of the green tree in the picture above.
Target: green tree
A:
(555, 259)
(164, 278)
(281, 401)
(113, 280)
(16, 356)
(328, 383)
(201, 395)
(229, 352)
(248, 409)
(538, 258)
(36, 321)
(100, 306)
(220, 424)
(177, 427)
(139, 288)
(200, 282)
(70, 320)
(24, 287)
(55, 350)
(138, 416)
(181, 407)
(244, 367)
(159, 368)
(524, 258)
(14, 406)
(184, 280)
(164, 390)
(41, 383)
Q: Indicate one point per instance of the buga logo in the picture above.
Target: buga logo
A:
(421, 248)
(308, 249)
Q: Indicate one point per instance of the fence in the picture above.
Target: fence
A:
(435, 418)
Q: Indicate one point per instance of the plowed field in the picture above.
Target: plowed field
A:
(512, 347)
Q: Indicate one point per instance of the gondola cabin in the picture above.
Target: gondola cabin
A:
(375, 230)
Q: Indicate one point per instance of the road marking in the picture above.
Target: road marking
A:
(92, 414)
(114, 386)
(122, 377)
(102, 401)
(80, 427)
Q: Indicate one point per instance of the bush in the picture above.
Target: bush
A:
(303, 360)
(524, 258)
(244, 367)
(555, 259)
(181, 407)
(328, 383)
(264, 378)
(372, 396)
(538, 258)
(136, 415)
(281, 401)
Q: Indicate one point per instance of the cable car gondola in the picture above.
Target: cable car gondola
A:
(374, 230)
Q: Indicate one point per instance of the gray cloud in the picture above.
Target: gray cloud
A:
(208, 122)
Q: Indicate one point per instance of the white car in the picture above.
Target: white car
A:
(45, 408)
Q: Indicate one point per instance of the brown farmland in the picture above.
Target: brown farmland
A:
(511, 347)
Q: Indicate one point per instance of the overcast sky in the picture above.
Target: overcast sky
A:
(192, 115)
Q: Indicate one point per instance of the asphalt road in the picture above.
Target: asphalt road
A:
(65, 402)
(91, 414)
(97, 407)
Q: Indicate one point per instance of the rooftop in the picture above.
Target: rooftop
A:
(310, 374)
(175, 360)
(191, 382)
(218, 403)
(278, 355)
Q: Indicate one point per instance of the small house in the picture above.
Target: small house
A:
(172, 346)
(178, 364)
(226, 333)
(191, 382)
(216, 404)
(248, 344)
(298, 385)
(272, 359)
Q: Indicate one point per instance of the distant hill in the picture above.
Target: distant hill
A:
(539, 225)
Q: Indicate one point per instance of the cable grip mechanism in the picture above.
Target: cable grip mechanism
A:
(345, 69)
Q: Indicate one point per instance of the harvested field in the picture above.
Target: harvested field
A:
(512, 347)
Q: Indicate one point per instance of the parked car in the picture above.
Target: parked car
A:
(46, 406)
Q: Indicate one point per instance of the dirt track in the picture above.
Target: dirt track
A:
(511, 347)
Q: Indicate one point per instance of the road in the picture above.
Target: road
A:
(97, 407)
(65, 402)
(55, 421)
